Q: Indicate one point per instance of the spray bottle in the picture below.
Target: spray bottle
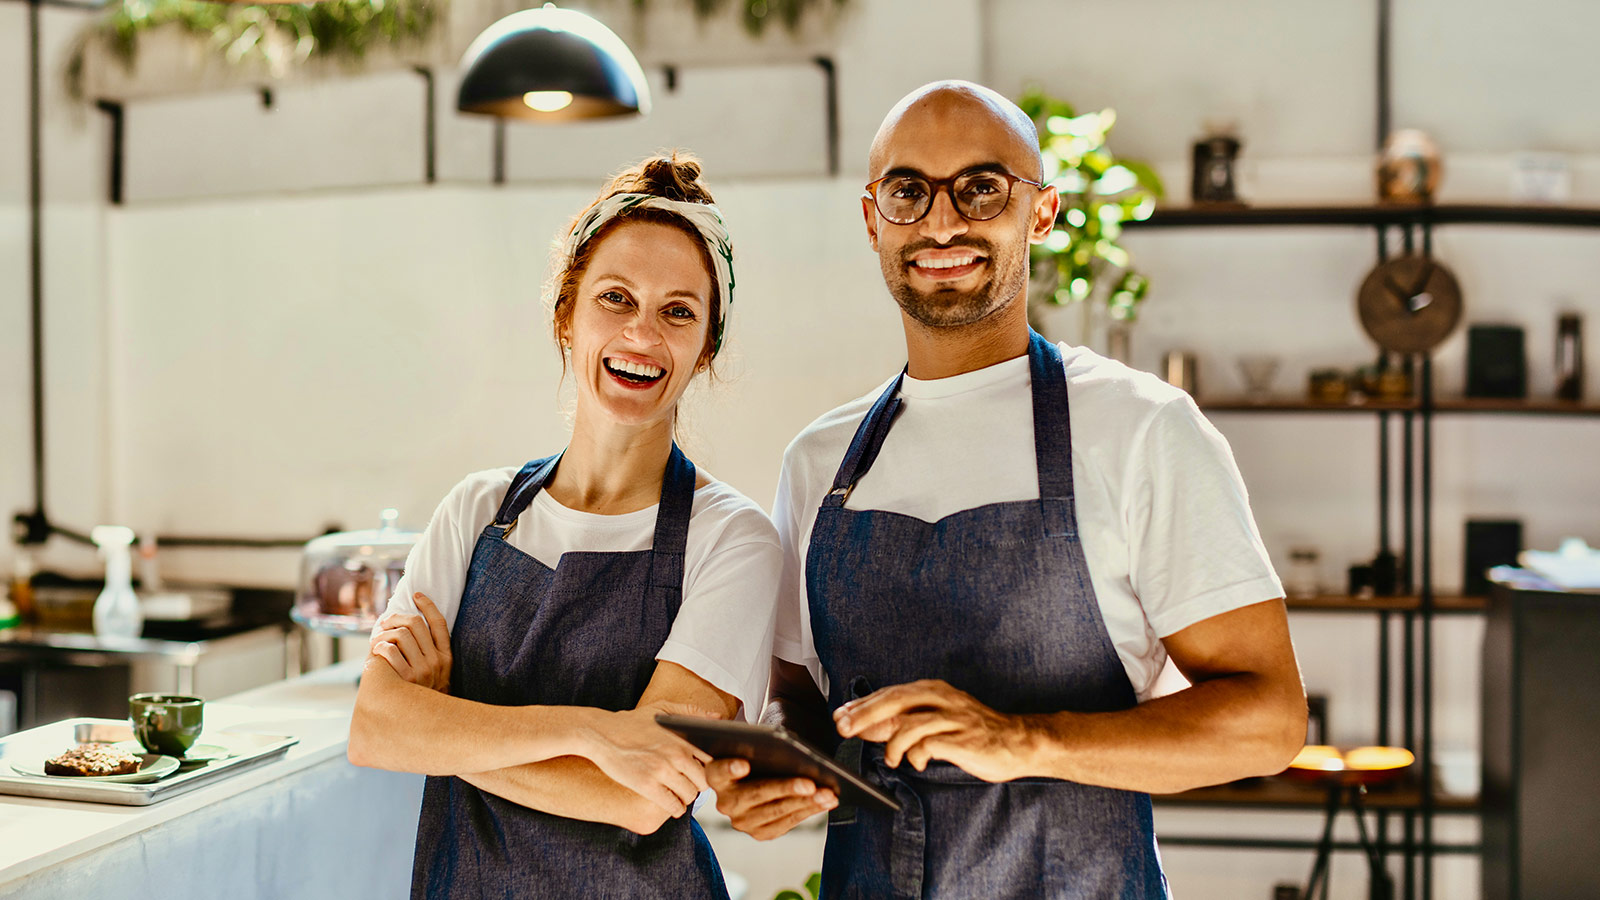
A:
(116, 610)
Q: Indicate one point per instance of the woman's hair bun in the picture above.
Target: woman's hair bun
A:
(675, 176)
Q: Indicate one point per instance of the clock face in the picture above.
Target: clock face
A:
(1409, 304)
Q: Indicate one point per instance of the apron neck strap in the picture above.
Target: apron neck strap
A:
(865, 445)
(672, 522)
(529, 480)
(1052, 426)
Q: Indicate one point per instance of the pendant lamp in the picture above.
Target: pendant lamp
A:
(551, 65)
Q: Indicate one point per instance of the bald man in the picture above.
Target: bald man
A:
(990, 558)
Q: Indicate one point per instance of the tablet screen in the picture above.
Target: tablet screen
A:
(776, 752)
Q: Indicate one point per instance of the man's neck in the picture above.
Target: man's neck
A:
(943, 352)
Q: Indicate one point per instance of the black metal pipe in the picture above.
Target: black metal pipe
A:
(430, 115)
(499, 150)
(1408, 487)
(832, 77)
(36, 272)
(1384, 18)
(1408, 868)
(1426, 605)
(1384, 712)
(205, 542)
(117, 116)
(1383, 482)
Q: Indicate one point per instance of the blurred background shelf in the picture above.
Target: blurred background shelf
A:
(1403, 603)
(1450, 405)
(1370, 216)
(1280, 792)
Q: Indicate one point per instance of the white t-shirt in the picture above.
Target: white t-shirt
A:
(1162, 512)
(730, 571)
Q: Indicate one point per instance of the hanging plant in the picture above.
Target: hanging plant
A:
(1083, 256)
(277, 36)
(757, 14)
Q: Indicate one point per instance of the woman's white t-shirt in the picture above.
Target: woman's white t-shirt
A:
(1162, 511)
(732, 560)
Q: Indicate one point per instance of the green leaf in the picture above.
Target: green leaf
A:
(814, 885)
(1146, 176)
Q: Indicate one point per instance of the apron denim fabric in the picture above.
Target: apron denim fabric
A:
(583, 634)
(997, 601)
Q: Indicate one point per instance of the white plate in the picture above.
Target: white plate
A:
(195, 756)
(155, 766)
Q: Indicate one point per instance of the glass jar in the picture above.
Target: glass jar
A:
(1301, 579)
(346, 577)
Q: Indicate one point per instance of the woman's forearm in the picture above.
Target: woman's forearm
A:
(573, 787)
(409, 728)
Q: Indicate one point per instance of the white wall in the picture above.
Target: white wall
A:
(284, 329)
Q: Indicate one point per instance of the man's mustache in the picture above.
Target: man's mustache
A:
(983, 247)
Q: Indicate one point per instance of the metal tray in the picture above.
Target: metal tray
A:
(251, 750)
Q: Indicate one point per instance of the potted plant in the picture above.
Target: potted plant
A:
(1083, 260)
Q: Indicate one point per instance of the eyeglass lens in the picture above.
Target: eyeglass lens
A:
(903, 199)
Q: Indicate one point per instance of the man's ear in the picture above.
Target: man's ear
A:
(1045, 208)
(869, 212)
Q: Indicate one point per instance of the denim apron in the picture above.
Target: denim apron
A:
(582, 634)
(997, 601)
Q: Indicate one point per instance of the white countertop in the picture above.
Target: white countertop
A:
(36, 834)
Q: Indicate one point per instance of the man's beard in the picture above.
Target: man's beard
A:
(946, 308)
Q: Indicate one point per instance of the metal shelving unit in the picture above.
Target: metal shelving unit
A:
(1412, 612)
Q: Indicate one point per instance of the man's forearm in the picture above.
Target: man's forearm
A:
(573, 787)
(1218, 730)
(409, 728)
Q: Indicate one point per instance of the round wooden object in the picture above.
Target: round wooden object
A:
(1409, 304)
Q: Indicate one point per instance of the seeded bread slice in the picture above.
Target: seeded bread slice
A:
(93, 760)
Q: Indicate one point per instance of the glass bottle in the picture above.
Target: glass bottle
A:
(1569, 357)
(116, 610)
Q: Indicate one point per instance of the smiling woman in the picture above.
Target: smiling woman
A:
(521, 668)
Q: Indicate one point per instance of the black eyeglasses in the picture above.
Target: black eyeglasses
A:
(979, 196)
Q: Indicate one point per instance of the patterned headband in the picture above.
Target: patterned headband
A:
(705, 218)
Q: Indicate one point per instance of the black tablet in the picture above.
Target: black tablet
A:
(776, 752)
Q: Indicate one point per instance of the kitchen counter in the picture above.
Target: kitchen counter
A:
(309, 824)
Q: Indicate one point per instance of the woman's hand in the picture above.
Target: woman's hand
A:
(416, 647)
(647, 759)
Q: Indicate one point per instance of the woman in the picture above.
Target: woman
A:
(596, 588)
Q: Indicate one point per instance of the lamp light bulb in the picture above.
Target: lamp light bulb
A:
(547, 101)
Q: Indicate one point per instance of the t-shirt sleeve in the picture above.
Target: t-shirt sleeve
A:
(723, 631)
(437, 564)
(1194, 547)
(792, 636)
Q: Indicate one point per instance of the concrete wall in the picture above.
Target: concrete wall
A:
(283, 328)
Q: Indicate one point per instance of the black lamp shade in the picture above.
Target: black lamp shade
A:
(549, 52)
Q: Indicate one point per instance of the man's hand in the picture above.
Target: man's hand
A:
(767, 808)
(929, 719)
(416, 647)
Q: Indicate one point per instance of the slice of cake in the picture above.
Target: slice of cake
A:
(93, 760)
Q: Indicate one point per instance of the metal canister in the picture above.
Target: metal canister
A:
(1178, 368)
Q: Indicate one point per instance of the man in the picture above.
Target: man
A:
(983, 588)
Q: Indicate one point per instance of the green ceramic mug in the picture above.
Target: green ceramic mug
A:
(168, 724)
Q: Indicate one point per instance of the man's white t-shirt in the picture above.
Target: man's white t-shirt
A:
(1162, 511)
(732, 560)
